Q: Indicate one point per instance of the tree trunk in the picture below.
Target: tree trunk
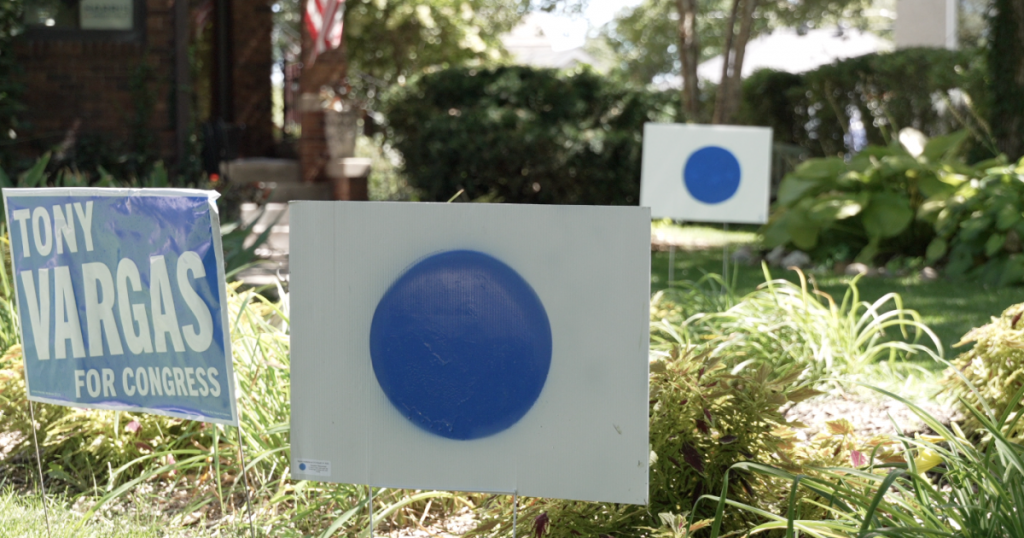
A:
(1006, 69)
(689, 54)
(727, 55)
(731, 105)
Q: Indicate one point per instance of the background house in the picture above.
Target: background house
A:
(142, 77)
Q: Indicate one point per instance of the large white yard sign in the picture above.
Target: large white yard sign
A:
(472, 347)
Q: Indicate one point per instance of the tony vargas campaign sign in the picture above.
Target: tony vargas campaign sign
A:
(121, 300)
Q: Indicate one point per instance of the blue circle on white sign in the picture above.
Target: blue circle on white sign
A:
(461, 345)
(712, 174)
(302, 466)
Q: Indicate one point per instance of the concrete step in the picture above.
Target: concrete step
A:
(273, 216)
(261, 170)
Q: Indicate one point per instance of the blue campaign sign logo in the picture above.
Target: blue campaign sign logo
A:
(461, 345)
(121, 300)
(712, 174)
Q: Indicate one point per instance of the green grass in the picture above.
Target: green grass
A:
(949, 307)
(21, 515)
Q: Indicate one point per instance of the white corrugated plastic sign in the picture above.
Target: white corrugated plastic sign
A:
(706, 173)
(471, 347)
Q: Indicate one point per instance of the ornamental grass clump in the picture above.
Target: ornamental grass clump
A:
(990, 373)
(798, 328)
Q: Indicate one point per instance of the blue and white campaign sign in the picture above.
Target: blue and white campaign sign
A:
(706, 173)
(471, 347)
(121, 300)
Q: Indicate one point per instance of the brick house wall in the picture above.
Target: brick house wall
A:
(251, 25)
(86, 86)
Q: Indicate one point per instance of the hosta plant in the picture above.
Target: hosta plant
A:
(868, 205)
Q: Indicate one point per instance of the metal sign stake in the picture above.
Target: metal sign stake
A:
(515, 511)
(39, 462)
(671, 263)
(725, 256)
(245, 478)
(371, 511)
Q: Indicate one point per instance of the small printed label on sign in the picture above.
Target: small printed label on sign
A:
(314, 467)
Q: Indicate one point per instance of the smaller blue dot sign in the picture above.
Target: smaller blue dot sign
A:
(302, 466)
(461, 345)
(712, 174)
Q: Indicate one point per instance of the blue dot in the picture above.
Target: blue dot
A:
(461, 345)
(302, 466)
(712, 174)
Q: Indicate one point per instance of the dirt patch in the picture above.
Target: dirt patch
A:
(869, 416)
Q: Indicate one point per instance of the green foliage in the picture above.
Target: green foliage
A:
(991, 373)
(978, 229)
(519, 134)
(1005, 58)
(10, 91)
(645, 38)
(927, 89)
(390, 41)
(889, 201)
(873, 205)
(973, 489)
(771, 99)
(799, 331)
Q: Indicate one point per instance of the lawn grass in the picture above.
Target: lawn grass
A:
(949, 307)
(21, 515)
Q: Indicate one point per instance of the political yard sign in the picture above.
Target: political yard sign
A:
(706, 173)
(471, 347)
(121, 300)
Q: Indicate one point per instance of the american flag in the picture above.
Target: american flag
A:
(323, 21)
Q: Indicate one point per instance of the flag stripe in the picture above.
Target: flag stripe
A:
(324, 24)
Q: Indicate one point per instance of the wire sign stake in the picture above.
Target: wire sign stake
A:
(39, 462)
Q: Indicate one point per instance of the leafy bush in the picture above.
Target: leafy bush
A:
(870, 205)
(887, 202)
(11, 104)
(980, 226)
(525, 135)
(927, 89)
(989, 375)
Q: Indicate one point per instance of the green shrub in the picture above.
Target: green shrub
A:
(871, 205)
(887, 202)
(11, 104)
(924, 88)
(979, 228)
(519, 134)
